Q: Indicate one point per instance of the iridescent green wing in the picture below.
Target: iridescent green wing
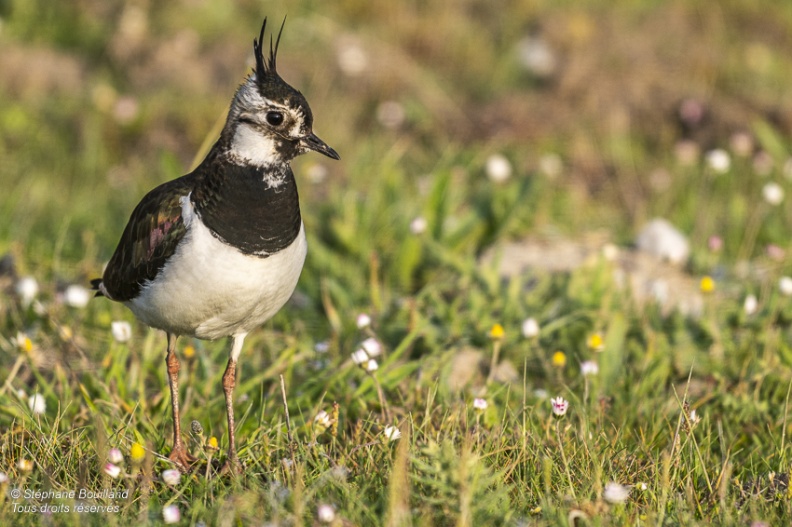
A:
(154, 231)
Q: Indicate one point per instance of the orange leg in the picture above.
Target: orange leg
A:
(229, 382)
(179, 453)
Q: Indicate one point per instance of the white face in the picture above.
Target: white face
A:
(252, 147)
(267, 131)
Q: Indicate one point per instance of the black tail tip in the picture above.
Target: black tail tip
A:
(95, 283)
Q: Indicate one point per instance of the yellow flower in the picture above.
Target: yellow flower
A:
(559, 359)
(596, 342)
(189, 351)
(24, 343)
(212, 443)
(497, 332)
(707, 285)
(137, 452)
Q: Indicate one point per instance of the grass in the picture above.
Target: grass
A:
(123, 97)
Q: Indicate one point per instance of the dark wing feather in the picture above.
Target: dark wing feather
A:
(154, 230)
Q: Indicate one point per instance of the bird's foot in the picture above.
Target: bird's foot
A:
(183, 459)
(232, 466)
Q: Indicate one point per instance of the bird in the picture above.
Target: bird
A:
(217, 252)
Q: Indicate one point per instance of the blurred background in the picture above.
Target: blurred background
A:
(479, 140)
(589, 115)
(470, 124)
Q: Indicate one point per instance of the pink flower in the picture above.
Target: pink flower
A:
(171, 514)
(171, 477)
(560, 406)
(115, 456)
(112, 470)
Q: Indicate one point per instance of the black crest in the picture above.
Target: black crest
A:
(266, 70)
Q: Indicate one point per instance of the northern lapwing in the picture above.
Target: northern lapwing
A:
(217, 252)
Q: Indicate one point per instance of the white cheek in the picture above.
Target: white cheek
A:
(253, 147)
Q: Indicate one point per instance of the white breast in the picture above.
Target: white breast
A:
(209, 289)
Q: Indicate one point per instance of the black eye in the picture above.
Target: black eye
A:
(275, 118)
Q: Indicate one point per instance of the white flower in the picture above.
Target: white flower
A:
(171, 477)
(3, 478)
(363, 321)
(352, 59)
(391, 114)
(537, 56)
(418, 225)
(719, 160)
(372, 347)
(694, 418)
(391, 433)
(773, 193)
(615, 493)
(642, 486)
(121, 330)
(171, 514)
(322, 347)
(498, 168)
(76, 296)
(25, 465)
(27, 288)
(664, 241)
(785, 285)
(323, 419)
(115, 456)
(480, 404)
(37, 404)
(371, 365)
(325, 513)
(530, 328)
(750, 305)
(112, 470)
(589, 367)
(360, 357)
(540, 393)
(560, 406)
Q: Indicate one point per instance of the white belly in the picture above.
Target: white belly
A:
(210, 290)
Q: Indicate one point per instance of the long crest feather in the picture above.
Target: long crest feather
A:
(274, 52)
(260, 71)
(265, 69)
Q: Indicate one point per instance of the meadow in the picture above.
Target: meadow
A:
(589, 388)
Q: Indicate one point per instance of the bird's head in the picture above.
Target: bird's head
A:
(270, 122)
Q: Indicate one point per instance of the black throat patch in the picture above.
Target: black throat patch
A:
(255, 209)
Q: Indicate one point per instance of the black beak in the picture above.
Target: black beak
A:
(311, 142)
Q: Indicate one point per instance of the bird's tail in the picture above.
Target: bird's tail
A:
(96, 284)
